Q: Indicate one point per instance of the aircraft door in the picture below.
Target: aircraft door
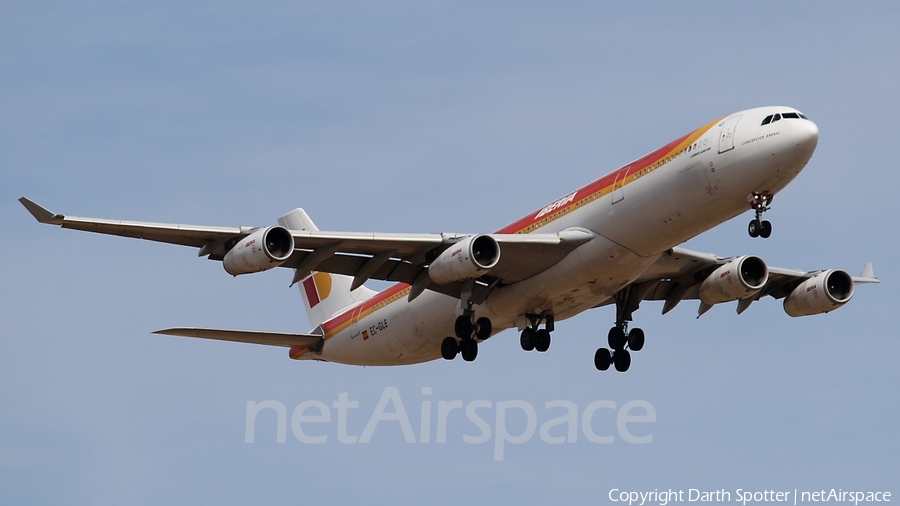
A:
(354, 322)
(726, 135)
(619, 185)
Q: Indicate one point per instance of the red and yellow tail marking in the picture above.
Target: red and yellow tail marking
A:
(317, 288)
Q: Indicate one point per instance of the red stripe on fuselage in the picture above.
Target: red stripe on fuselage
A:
(334, 325)
(344, 317)
(600, 184)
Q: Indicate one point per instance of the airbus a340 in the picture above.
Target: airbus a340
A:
(614, 241)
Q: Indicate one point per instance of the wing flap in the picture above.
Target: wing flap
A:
(520, 261)
(525, 255)
(367, 243)
(679, 263)
(246, 336)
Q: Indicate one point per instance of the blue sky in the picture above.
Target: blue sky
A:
(409, 117)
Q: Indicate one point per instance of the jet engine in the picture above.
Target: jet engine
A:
(819, 294)
(260, 251)
(737, 279)
(467, 259)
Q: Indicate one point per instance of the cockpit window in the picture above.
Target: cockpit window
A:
(772, 118)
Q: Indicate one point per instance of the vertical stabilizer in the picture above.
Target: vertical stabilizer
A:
(323, 294)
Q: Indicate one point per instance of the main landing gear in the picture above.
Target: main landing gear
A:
(618, 339)
(466, 328)
(534, 338)
(621, 341)
(760, 202)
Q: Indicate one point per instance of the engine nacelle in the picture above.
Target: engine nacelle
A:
(260, 251)
(819, 294)
(467, 259)
(737, 279)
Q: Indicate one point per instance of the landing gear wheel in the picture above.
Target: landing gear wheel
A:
(760, 202)
(754, 228)
(468, 349)
(449, 348)
(602, 359)
(635, 339)
(463, 327)
(616, 338)
(622, 360)
(483, 328)
(528, 339)
(543, 340)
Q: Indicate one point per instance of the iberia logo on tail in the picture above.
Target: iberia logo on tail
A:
(317, 287)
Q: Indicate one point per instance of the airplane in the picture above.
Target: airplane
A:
(611, 242)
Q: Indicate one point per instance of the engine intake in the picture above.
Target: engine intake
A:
(262, 250)
(467, 259)
(737, 279)
(821, 293)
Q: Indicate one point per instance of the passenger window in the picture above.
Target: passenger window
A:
(775, 118)
(767, 120)
(790, 115)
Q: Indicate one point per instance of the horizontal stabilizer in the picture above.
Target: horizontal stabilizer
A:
(246, 336)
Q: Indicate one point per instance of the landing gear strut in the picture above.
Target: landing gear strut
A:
(760, 202)
(534, 338)
(622, 341)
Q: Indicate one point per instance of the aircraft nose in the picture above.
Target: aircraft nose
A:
(806, 134)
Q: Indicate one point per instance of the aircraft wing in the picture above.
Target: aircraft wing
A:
(383, 256)
(186, 235)
(246, 336)
(678, 273)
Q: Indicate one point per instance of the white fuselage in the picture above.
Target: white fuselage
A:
(636, 213)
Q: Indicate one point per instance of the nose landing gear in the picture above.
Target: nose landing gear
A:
(760, 202)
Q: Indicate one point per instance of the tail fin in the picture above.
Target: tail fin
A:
(324, 294)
